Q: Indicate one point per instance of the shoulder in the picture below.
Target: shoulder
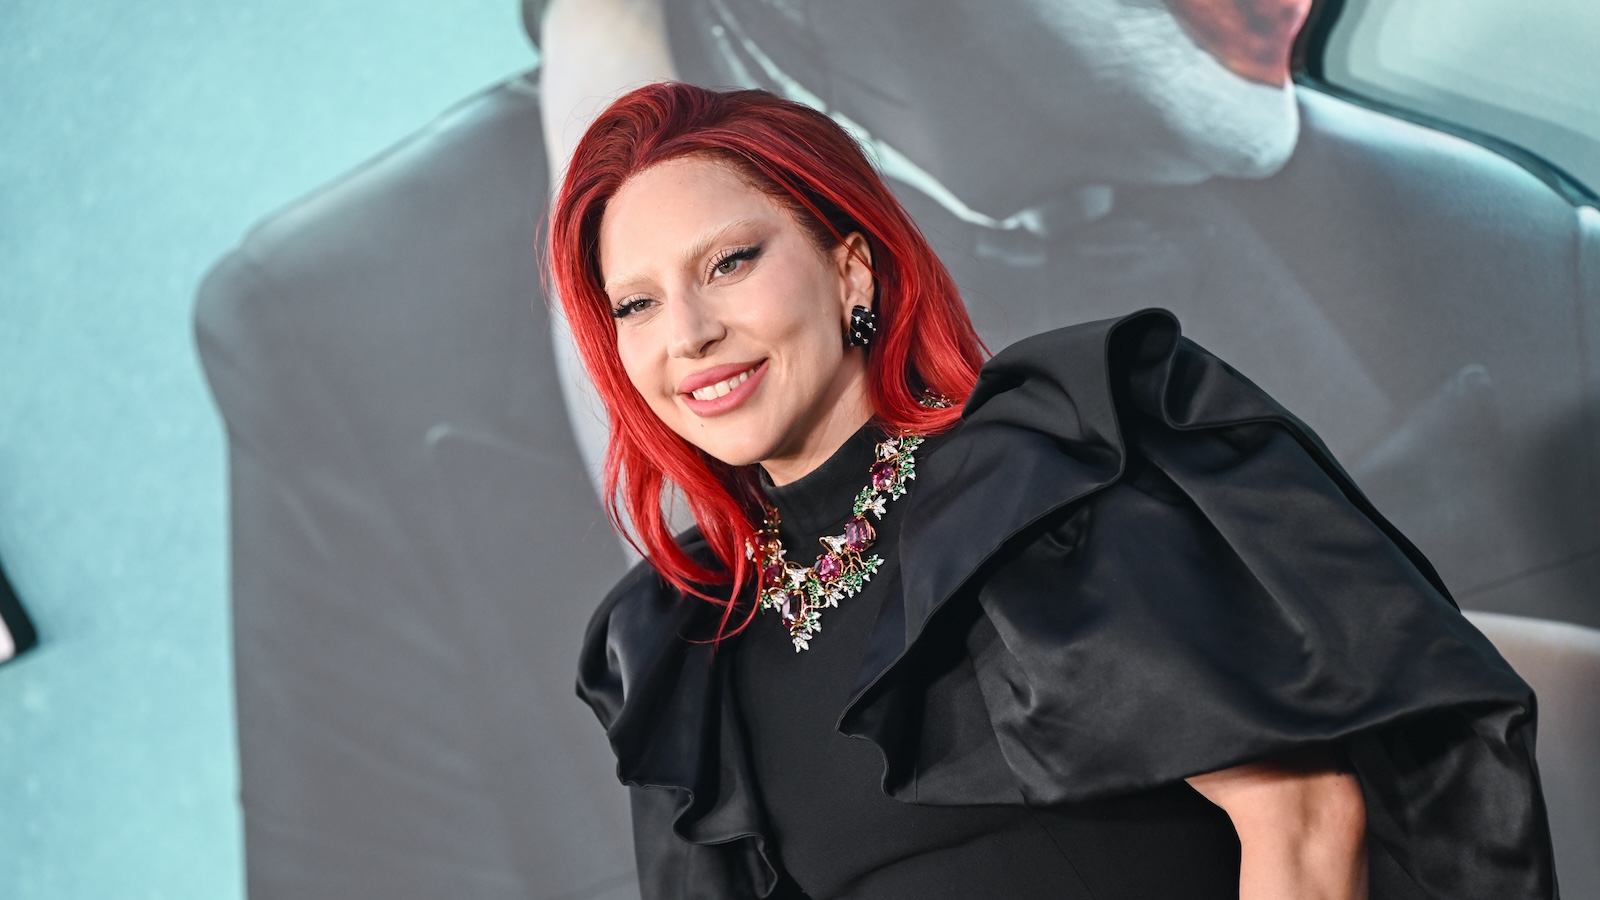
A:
(1095, 375)
(1472, 220)
(643, 588)
(392, 275)
(1080, 415)
(1102, 397)
(1379, 152)
(1064, 415)
(469, 155)
(477, 167)
(639, 626)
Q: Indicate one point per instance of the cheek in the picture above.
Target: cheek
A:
(807, 318)
(641, 362)
(813, 351)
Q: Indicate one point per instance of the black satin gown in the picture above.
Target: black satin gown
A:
(1126, 566)
(839, 836)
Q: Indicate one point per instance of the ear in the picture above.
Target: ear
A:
(853, 261)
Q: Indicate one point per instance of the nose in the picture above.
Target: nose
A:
(693, 328)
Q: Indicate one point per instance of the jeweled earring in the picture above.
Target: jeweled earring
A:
(863, 325)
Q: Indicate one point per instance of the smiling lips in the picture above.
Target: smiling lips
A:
(721, 388)
(732, 386)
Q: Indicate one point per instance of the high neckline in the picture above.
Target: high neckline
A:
(822, 497)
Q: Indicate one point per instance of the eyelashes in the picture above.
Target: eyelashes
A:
(628, 307)
(734, 255)
(723, 264)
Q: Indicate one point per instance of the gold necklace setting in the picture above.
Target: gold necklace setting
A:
(799, 594)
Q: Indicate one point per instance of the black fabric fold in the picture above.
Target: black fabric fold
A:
(1180, 579)
(651, 675)
(1157, 571)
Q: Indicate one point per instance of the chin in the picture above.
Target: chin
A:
(733, 448)
(731, 455)
(1230, 126)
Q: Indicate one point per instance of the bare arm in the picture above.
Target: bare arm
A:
(1302, 827)
(593, 51)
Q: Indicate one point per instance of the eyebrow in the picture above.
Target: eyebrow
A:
(696, 250)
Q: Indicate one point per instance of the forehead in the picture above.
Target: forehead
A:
(671, 208)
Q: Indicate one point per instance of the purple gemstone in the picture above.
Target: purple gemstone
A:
(858, 534)
(828, 567)
(883, 475)
(791, 607)
(771, 575)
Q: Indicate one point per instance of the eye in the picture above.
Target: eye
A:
(628, 307)
(728, 262)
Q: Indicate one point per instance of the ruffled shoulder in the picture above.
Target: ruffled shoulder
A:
(655, 682)
(1158, 571)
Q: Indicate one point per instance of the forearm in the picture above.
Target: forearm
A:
(592, 51)
(1301, 825)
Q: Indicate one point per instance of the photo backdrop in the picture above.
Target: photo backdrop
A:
(412, 452)
(1397, 237)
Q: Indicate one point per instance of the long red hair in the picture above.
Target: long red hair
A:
(802, 159)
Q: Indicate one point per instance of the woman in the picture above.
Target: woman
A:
(1107, 620)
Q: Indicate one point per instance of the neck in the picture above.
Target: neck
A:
(842, 420)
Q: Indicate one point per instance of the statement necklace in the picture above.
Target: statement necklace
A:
(799, 593)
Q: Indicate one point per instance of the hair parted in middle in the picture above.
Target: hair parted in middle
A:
(808, 164)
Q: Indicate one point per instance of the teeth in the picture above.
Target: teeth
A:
(721, 388)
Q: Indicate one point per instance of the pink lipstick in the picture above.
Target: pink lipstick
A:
(721, 389)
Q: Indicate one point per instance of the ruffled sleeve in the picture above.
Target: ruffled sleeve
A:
(1159, 572)
(660, 690)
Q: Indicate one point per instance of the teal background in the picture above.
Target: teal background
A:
(137, 143)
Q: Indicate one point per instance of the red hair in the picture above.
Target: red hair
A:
(806, 162)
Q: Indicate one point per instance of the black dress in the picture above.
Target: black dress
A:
(1127, 565)
(839, 836)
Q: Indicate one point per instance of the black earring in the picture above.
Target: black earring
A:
(863, 325)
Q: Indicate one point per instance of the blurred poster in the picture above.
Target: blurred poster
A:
(417, 541)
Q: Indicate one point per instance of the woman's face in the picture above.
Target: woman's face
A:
(730, 321)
